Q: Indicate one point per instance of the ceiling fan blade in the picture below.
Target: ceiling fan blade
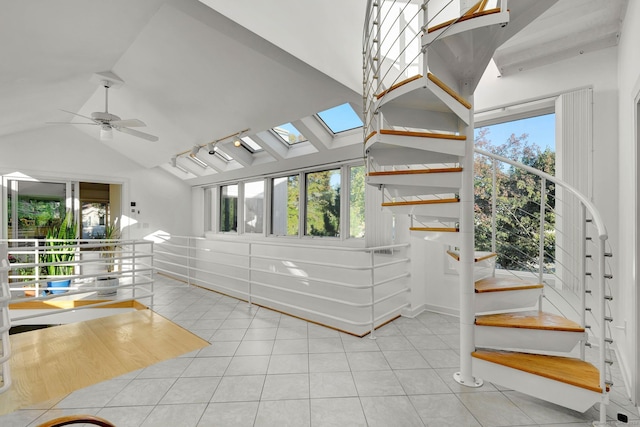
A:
(137, 133)
(79, 115)
(69, 123)
(129, 123)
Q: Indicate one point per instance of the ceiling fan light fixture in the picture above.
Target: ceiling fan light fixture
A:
(106, 134)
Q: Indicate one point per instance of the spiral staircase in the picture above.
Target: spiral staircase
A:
(420, 71)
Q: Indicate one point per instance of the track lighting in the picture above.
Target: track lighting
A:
(212, 148)
(194, 150)
(237, 142)
(174, 161)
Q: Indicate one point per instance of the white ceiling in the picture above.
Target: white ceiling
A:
(194, 74)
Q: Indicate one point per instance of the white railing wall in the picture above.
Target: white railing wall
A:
(351, 289)
(128, 261)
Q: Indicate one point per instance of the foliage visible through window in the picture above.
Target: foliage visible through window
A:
(518, 202)
(323, 203)
(285, 206)
(229, 208)
(253, 206)
(356, 202)
(289, 134)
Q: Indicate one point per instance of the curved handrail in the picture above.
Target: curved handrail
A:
(597, 219)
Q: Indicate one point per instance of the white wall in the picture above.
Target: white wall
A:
(63, 152)
(629, 87)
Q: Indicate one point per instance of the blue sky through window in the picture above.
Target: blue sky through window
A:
(340, 118)
(541, 130)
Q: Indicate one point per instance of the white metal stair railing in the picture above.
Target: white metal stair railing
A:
(586, 295)
(5, 321)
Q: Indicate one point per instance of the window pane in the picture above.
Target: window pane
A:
(356, 202)
(251, 144)
(253, 204)
(36, 208)
(285, 207)
(340, 119)
(229, 208)
(289, 134)
(323, 203)
(95, 217)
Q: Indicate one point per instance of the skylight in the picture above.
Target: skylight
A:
(289, 134)
(340, 119)
(250, 144)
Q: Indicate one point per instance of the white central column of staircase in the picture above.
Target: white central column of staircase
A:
(419, 148)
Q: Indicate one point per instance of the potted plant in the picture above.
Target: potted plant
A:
(58, 256)
(110, 248)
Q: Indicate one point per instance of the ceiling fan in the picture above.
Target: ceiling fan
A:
(108, 121)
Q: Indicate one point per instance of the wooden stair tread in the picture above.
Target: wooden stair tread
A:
(477, 256)
(442, 85)
(498, 284)
(533, 319)
(421, 202)
(568, 370)
(464, 18)
(423, 134)
(415, 171)
(441, 229)
(399, 84)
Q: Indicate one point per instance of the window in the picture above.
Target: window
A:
(289, 134)
(356, 201)
(35, 207)
(340, 119)
(253, 206)
(323, 203)
(285, 206)
(250, 144)
(229, 208)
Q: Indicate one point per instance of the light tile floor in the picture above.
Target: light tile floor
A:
(264, 368)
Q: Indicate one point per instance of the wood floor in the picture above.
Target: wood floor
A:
(50, 363)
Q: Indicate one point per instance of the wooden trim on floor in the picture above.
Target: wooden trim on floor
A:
(421, 202)
(533, 319)
(58, 304)
(464, 18)
(415, 171)
(567, 370)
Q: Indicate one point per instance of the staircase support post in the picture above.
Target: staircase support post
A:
(467, 290)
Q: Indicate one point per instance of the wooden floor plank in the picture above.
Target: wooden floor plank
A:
(50, 363)
(533, 319)
(568, 370)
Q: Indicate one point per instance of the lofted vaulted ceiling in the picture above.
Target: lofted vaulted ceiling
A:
(196, 71)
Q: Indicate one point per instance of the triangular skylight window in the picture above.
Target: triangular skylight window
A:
(289, 134)
(340, 119)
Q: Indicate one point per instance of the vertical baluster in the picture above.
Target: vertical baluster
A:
(582, 277)
(543, 200)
